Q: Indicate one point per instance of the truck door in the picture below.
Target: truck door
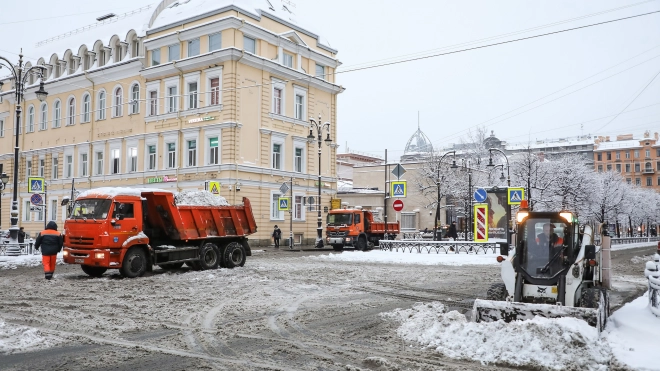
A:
(358, 223)
(125, 223)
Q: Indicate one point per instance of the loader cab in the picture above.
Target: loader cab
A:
(547, 246)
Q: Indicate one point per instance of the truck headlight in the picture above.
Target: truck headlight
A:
(65, 253)
(99, 255)
(348, 239)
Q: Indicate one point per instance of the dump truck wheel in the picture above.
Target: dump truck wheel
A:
(338, 247)
(208, 256)
(234, 255)
(362, 243)
(497, 292)
(590, 298)
(93, 271)
(171, 266)
(134, 264)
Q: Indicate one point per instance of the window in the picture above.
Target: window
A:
(115, 158)
(215, 41)
(300, 107)
(101, 111)
(99, 163)
(151, 152)
(627, 154)
(618, 155)
(171, 99)
(193, 47)
(636, 153)
(298, 161)
(192, 95)
(648, 153)
(173, 52)
(30, 120)
(43, 118)
(320, 72)
(26, 211)
(638, 181)
(126, 210)
(118, 103)
(288, 60)
(213, 151)
(628, 180)
(657, 152)
(618, 168)
(215, 91)
(649, 182)
(153, 103)
(275, 213)
(627, 168)
(277, 156)
(132, 159)
(42, 167)
(83, 164)
(28, 168)
(609, 156)
(135, 99)
(609, 167)
(298, 208)
(71, 119)
(648, 167)
(659, 180)
(192, 153)
(85, 109)
(155, 57)
(68, 163)
(599, 157)
(171, 155)
(249, 45)
(657, 165)
(637, 168)
(2, 129)
(277, 101)
(600, 168)
(56, 165)
(53, 210)
(57, 115)
(40, 215)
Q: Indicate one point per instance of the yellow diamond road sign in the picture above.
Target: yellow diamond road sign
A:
(35, 185)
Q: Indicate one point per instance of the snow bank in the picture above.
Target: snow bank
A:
(634, 245)
(556, 344)
(21, 338)
(118, 191)
(13, 262)
(378, 256)
(199, 198)
(632, 333)
(136, 237)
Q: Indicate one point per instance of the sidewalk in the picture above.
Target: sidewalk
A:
(296, 248)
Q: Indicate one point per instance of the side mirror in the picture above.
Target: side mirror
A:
(590, 252)
(504, 248)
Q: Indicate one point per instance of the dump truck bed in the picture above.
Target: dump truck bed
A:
(379, 227)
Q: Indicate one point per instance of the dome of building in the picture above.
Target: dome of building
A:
(419, 143)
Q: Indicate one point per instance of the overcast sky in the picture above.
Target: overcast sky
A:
(456, 92)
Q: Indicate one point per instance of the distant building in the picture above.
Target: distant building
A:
(419, 147)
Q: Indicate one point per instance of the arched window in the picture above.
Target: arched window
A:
(57, 115)
(30, 120)
(71, 112)
(86, 108)
(43, 118)
(102, 105)
(648, 167)
(135, 99)
(118, 102)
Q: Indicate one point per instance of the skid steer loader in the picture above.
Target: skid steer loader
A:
(554, 271)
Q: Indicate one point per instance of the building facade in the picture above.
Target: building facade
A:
(204, 91)
(637, 160)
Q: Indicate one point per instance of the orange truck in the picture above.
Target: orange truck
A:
(132, 230)
(357, 228)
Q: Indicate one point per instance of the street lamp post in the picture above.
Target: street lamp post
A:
(437, 183)
(502, 178)
(319, 126)
(490, 164)
(20, 77)
(4, 178)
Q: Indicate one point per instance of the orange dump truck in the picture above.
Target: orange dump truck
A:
(132, 230)
(357, 228)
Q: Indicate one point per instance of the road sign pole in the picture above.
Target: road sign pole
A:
(291, 215)
(45, 205)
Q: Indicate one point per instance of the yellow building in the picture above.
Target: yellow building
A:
(175, 95)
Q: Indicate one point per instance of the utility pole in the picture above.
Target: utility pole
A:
(387, 188)
(291, 212)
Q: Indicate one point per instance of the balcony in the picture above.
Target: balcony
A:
(648, 170)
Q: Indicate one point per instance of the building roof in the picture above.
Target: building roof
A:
(543, 144)
(419, 143)
(619, 144)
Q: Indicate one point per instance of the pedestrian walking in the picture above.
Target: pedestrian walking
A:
(277, 234)
(50, 242)
(21, 235)
(452, 233)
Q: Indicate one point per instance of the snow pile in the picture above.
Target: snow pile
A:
(136, 237)
(199, 198)
(378, 256)
(632, 332)
(557, 344)
(634, 245)
(14, 338)
(110, 192)
(13, 262)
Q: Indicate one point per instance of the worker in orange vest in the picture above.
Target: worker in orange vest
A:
(50, 242)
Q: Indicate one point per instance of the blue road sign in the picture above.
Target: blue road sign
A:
(516, 195)
(480, 195)
(283, 204)
(36, 199)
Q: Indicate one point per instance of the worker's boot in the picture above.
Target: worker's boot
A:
(49, 275)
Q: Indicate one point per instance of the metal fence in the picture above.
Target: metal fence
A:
(447, 247)
(26, 248)
(627, 240)
(652, 272)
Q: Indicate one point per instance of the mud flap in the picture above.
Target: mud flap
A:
(491, 311)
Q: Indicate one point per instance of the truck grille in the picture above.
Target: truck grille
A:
(80, 241)
(337, 234)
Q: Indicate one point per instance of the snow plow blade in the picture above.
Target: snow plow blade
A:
(491, 311)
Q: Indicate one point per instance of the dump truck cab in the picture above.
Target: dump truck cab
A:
(357, 228)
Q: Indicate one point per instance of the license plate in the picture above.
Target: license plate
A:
(80, 260)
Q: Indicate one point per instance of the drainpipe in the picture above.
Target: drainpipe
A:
(182, 146)
(92, 118)
(235, 72)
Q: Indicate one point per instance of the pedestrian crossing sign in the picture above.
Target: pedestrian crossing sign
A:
(283, 204)
(35, 185)
(399, 189)
(516, 195)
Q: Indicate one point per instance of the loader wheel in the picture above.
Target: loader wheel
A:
(171, 266)
(590, 298)
(234, 255)
(361, 244)
(208, 256)
(497, 292)
(93, 271)
(338, 247)
(134, 264)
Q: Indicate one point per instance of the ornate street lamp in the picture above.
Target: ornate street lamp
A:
(4, 179)
(319, 126)
(437, 183)
(490, 164)
(20, 77)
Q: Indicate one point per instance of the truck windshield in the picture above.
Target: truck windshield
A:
(340, 219)
(546, 243)
(91, 209)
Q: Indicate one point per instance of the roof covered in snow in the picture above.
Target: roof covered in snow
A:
(619, 144)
